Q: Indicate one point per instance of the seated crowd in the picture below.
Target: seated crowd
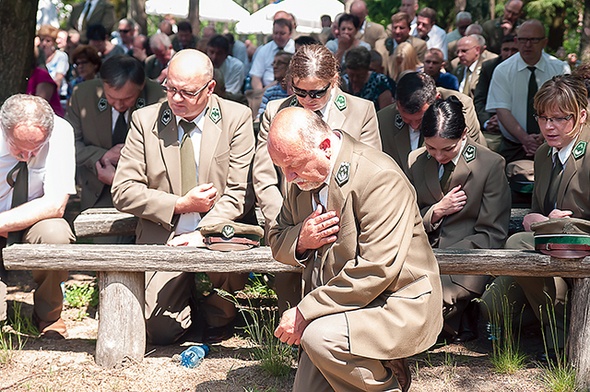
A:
(180, 131)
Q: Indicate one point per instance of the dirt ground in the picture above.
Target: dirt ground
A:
(46, 365)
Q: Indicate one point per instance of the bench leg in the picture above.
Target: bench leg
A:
(579, 339)
(121, 325)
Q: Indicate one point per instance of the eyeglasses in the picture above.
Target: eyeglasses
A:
(80, 63)
(524, 40)
(464, 50)
(555, 120)
(183, 93)
(122, 31)
(313, 94)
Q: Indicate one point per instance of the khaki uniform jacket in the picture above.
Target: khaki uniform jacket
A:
(354, 115)
(381, 271)
(373, 33)
(460, 73)
(483, 221)
(395, 133)
(148, 180)
(574, 189)
(103, 14)
(92, 119)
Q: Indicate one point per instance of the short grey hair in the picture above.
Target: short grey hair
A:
(480, 39)
(160, 39)
(27, 110)
(463, 15)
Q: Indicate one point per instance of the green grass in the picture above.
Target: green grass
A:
(506, 356)
(78, 295)
(258, 287)
(14, 334)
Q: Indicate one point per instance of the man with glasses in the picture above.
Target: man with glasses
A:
(100, 112)
(494, 30)
(470, 61)
(513, 87)
(125, 34)
(37, 172)
(185, 165)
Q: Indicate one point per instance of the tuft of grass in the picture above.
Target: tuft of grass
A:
(258, 287)
(506, 357)
(14, 337)
(559, 375)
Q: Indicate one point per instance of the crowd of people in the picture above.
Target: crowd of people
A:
(364, 147)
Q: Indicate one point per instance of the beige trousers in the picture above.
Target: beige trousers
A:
(326, 363)
(48, 297)
(170, 301)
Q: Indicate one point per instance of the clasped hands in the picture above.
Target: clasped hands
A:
(106, 165)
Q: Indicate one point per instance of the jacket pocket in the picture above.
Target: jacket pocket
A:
(414, 289)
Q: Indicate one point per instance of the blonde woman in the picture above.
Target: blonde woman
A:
(406, 59)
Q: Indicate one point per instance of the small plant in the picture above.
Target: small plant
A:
(258, 287)
(79, 295)
(507, 358)
(559, 376)
(14, 337)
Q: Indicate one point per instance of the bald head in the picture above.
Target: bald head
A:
(359, 9)
(300, 143)
(468, 50)
(191, 63)
(531, 41)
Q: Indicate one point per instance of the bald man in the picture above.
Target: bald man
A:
(185, 165)
(369, 32)
(470, 62)
(371, 279)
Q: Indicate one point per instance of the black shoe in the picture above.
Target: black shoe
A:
(214, 335)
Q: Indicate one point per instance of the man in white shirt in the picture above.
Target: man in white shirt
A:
(37, 167)
(511, 91)
(261, 71)
(427, 30)
(231, 68)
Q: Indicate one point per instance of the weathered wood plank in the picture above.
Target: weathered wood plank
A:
(121, 329)
(579, 333)
(134, 258)
(98, 222)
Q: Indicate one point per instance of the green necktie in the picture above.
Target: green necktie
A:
(20, 194)
(554, 181)
(445, 180)
(188, 166)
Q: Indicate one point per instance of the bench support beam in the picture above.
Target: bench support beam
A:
(579, 332)
(121, 329)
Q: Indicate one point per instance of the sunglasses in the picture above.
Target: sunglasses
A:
(123, 31)
(313, 94)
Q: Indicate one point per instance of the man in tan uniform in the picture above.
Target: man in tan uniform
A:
(400, 123)
(185, 164)
(372, 289)
(95, 111)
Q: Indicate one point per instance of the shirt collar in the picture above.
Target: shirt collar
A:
(565, 152)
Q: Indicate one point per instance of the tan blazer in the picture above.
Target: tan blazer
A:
(574, 189)
(418, 44)
(91, 117)
(103, 14)
(483, 221)
(148, 180)
(395, 133)
(381, 271)
(373, 32)
(354, 115)
(460, 73)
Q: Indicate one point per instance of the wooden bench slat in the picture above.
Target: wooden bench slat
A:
(134, 258)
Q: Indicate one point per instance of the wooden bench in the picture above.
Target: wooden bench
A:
(121, 331)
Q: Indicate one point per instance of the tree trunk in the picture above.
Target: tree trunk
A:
(136, 11)
(585, 39)
(193, 16)
(17, 33)
(557, 28)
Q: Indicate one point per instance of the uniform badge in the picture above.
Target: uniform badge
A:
(140, 103)
(215, 115)
(294, 102)
(580, 149)
(343, 173)
(469, 153)
(340, 102)
(166, 116)
(102, 104)
(399, 123)
(228, 231)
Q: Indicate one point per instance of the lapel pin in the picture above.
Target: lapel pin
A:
(469, 153)
(215, 115)
(343, 173)
(102, 104)
(580, 149)
(340, 102)
(166, 117)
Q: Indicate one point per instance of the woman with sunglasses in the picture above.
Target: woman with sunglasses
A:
(464, 198)
(313, 77)
(562, 186)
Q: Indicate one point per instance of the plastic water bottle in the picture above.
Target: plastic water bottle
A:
(192, 356)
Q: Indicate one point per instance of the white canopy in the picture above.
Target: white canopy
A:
(307, 13)
(214, 10)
